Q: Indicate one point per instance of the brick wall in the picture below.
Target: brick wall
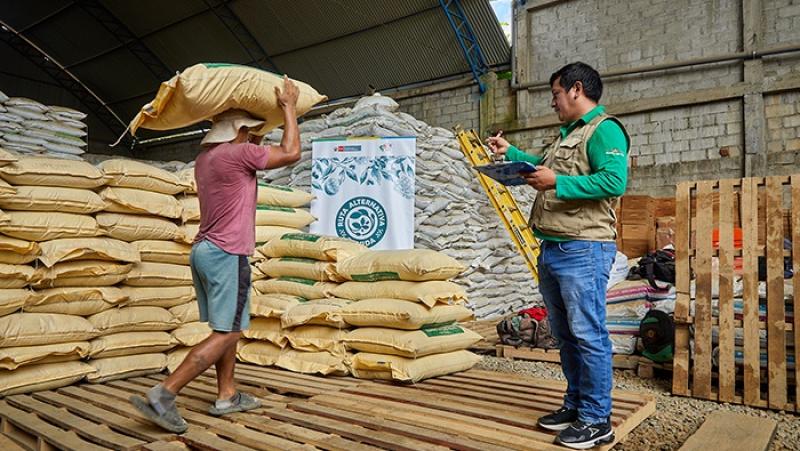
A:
(446, 108)
(783, 133)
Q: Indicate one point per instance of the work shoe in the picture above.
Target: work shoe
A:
(170, 420)
(240, 402)
(559, 420)
(582, 435)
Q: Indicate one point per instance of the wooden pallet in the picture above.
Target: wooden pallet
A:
(473, 410)
(697, 209)
(623, 362)
(488, 330)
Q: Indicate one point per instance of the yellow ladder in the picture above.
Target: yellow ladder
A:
(502, 200)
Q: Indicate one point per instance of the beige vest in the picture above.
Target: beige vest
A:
(574, 219)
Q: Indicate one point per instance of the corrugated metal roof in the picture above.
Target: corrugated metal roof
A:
(341, 47)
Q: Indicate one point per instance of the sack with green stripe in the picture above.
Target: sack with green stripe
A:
(309, 245)
(411, 343)
(322, 312)
(283, 216)
(273, 305)
(428, 293)
(400, 314)
(366, 365)
(282, 196)
(305, 268)
(306, 288)
(415, 265)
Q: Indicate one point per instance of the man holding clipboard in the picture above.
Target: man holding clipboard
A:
(578, 179)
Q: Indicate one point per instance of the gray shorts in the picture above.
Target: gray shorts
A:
(222, 283)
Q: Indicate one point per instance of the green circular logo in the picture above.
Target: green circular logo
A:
(362, 219)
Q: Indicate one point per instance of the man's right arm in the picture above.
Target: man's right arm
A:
(515, 154)
(288, 152)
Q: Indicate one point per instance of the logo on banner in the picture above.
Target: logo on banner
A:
(362, 219)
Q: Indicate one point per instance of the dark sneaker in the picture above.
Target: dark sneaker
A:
(559, 420)
(170, 420)
(241, 402)
(581, 435)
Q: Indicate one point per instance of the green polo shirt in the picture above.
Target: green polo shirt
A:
(607, 151)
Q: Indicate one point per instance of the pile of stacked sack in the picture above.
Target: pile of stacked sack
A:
(31, 128)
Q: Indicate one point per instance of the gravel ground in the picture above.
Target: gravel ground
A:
(675, 419)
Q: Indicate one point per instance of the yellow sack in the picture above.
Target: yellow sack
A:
(135, 227)
(309, 289)
(365, 365)
(112, 295)
(205, 90)
(188, 231)
(322, 312)
(17, 246)
(186, 313)
(13, 299)
(53, 172)
(113, 368)
(308, 245)
(304, 268)
(268, 215)
(264, 234)
(86, 307)
(31, 329)
(400, 314)
(257, 352)
(273, 305)
(186, 176)
(140, 202)
(428, 293)
(6, 189)
(46, 376)
(416, 265)
(323, 363)
(316, 338)
(81, 273)
(16, 276)
(411, 343)
(13, 358)
(7, 157)
(129, 343)
(41, 226)
(282, 196)
(149, 274)
(256, 274)
(166, 297)
(159, 251)
(176, 356)
(190, 206)
(133, 319)
(267, 329)
(50, 198)
(66, 249)
(191, 334)
(138, 175)
(13, 258)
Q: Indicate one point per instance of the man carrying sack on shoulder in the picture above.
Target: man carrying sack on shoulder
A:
(578, 180)
(225, 172)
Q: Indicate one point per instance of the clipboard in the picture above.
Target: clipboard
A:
(507, 172)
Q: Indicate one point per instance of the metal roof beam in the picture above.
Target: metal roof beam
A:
(47, 17)
(466, 40)
(250, 44)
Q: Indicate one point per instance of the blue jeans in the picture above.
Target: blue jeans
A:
(572, 279)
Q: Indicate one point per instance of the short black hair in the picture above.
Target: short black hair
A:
(582, 72)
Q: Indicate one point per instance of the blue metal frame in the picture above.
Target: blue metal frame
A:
(466, 40)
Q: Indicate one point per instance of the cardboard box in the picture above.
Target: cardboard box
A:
(665, 231)
(637, 210)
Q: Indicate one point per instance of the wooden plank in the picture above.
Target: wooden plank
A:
(165, 446)
(728, 431)
(751, 361)
(618, 361)
(7, 444)
(30, 423)
(776, 306)
(203, 440)
(727, 368)
(796, 284)
(680, 373)
(701, 375)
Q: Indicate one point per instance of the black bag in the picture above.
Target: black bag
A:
(656, 265)
(657, 333)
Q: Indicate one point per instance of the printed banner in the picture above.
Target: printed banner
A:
(364, 190)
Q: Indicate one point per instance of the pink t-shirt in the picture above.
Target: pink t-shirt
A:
(226, 186)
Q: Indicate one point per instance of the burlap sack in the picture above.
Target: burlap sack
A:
(176, 356)
(258, 352)
(273, 305)
(321, 312)
(32, 329)
(81, 273)
(45, 226)
(13, 358)
(401, 314)
(186, 313)
(50, 198)
(159, 251)
(266, 329)
(411, 343)
(428, 293)
(13, 299)
(189, 231)
(186, 176)
(416, 265)
(112, 295)
(307, 245)
(16, 276)
(304, 268)
(166, 297)
(316, 338)
(113, 368)
(256, 274)
(7, 157)
(47, 376)
(13, 258)
(53, 172)
(136, 227)
(138, 175)
(191, 334)
(309, 289)
(190, 208)
(140, 202)
(133, 319)
(86, 307)
(323, 363)
(66, 249)
(149, 274)
(282, 196)
(130, 343)
(23, 247)
(283, 216)
(264, 233)
(365, 365)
